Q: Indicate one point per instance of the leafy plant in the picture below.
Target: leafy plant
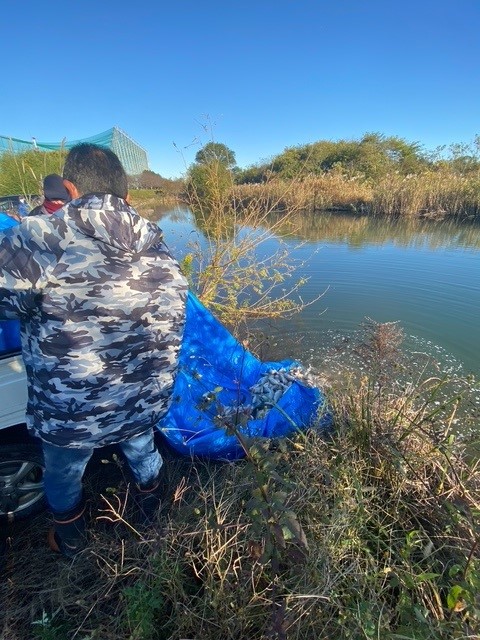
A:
(144, 607)
(50, 627)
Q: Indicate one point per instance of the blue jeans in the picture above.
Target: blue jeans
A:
(64, 469)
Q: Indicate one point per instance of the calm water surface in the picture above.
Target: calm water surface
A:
(424, 275)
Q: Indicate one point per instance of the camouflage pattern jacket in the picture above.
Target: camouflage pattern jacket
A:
(101, 304)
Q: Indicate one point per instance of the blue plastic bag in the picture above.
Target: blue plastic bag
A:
(9, 337)
(213, 362)
(9, 329)
(6, 221)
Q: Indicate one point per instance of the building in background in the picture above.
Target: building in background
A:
(132, 156)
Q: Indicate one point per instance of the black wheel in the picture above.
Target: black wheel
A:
(21, 481)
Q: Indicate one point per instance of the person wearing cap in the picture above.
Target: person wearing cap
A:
(55, 196)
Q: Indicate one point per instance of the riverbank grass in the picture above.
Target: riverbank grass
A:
(433, 194)
(368, 532)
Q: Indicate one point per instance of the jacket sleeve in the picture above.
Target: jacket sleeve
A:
(36, 210)
(27, 251)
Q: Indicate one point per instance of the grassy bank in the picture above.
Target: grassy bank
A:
(434, 194)
(369, 533)
(431, 194)
(148, 201)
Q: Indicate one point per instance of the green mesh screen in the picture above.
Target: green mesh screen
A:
(132, 156)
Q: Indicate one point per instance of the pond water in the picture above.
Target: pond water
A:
(424, 275)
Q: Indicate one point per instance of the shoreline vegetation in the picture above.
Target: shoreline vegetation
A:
(374, 175)
(370, 532)
(433, 195)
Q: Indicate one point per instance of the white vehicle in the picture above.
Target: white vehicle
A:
(21, 460)
(21, 463)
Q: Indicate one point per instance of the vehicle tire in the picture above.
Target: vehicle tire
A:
(21, 481)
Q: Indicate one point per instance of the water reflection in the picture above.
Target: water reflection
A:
(354, 231)
(424, 274)
(360, 231)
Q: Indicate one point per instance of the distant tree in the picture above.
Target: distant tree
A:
(212, 175)
(464, 165)
(302, 159)
(373, 156)
(151, 180)
(218, 152)
(381, 154)
(134, 181)
(255, 174)
(464, 158)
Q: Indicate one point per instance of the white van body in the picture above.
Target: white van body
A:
(13, 391)
(21, 460)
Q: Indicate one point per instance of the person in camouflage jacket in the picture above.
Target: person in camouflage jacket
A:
(101, 304)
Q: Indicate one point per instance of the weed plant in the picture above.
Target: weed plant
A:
(232, 266)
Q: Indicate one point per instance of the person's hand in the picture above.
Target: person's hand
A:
(14, 215)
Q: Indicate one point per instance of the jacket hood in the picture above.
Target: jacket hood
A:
(111, 220)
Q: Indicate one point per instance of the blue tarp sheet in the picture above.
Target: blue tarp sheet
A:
(213, 362)
(9, 337)
(6, 221)
(9, 329)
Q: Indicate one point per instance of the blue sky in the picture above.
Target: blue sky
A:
(256, 75)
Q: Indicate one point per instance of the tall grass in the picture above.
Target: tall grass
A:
(23, 173)
(331, 191)
(432, 194)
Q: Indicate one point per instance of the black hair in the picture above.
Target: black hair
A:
(94, 169)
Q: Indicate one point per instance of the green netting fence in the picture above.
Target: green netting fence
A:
(132, 156)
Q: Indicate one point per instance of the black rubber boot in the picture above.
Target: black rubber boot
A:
(148, 500)
(68, 536)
